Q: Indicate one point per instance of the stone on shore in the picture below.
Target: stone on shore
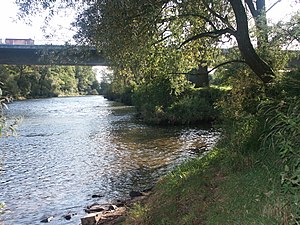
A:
(97, 196)
(47, 219)
(134, 194)
(69, 215)
(90, 219)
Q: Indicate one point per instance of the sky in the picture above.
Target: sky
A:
(58, 32)
(61, 31)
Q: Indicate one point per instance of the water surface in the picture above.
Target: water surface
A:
(67, 149)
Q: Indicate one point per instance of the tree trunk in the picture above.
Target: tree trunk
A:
(261, 23)
(253, 60)
(258, 11)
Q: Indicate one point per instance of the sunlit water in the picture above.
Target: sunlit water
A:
(67, 149)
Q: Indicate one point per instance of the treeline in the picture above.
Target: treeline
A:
(23, 81)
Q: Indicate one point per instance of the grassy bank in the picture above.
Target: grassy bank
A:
(251, 177)
(218, 189)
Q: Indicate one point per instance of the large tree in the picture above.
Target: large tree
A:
(129, 30)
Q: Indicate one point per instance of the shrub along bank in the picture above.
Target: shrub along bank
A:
(166, 100)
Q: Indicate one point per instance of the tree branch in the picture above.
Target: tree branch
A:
(275, 3)
(207, 20)
(161, 40)
(172, 18)
(211, 34)
(214, 13)
(251, 6)
(209, 71)
(225, 63)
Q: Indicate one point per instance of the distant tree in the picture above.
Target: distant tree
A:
(87, 83)
(45, 81)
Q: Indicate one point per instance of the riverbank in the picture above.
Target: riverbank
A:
(220, 188)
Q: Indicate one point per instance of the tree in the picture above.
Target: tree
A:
(121, 28)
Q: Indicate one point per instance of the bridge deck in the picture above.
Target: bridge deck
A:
(50, 55)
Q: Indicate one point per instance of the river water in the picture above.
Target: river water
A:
(68, 149)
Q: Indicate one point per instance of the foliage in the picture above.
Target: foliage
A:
(239, 112)
(47, 81)
(282, 132)
(4, 129)
(282, 135)
(198, 106)
(173, 100)
(128, 31)
(154, 97)
(265, 124)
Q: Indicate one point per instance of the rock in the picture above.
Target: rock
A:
(94, 208)
(90, 219)
(47, 219)
(134, 194)
(69, 215)
(120, 203)
(94, 204)
(112, 207)
(99, 208)
(97, 196)
(112, 217)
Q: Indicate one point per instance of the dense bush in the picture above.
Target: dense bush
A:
(169, 100)
(198, 105)
(112, 92)
(258, 123)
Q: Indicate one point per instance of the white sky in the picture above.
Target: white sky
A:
(61, 32)
(58, 32)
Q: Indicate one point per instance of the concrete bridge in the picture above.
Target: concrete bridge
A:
(50, 55)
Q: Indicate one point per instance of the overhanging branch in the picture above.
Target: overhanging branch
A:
(211, 34)
(173, 18)
(209, 71)
(214, 13)
(225, 63)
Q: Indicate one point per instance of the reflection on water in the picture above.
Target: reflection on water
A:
(68, 149)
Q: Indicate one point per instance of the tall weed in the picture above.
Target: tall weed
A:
(282, 135)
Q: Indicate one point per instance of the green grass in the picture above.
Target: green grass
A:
(251, 195)
(210, 191)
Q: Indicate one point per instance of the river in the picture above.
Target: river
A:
(68, 149)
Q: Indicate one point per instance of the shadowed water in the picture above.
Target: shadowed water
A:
(68, 149)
